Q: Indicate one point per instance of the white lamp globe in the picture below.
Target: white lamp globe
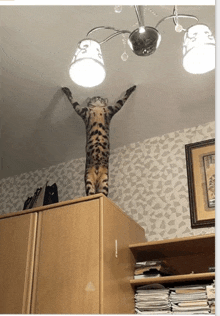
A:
(198, 50)
(87, 67)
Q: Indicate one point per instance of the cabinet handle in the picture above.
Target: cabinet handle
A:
(116, 248)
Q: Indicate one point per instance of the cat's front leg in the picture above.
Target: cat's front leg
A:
(68, 93)
(114, 109)
(129, 91)
(81, 111)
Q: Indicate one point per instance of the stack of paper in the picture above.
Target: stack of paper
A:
(152, 299)
(189, 299)
(146, 269)
(210, 289)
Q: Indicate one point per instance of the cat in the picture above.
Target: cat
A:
(97, 116)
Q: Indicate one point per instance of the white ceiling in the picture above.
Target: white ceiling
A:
(39, 127)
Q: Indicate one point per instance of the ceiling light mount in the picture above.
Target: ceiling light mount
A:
(144, 41)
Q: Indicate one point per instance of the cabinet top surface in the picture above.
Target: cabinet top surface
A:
(98, 196)
(55, 205)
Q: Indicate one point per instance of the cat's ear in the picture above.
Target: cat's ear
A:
(88, 100)
(106, 101)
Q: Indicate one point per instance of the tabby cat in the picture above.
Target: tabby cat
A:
(97, 116)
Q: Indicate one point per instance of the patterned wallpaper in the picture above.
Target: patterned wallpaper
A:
(148, 181)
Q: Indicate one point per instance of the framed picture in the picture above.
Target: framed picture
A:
(200, 164)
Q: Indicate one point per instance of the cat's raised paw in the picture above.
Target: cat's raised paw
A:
(67, 91)
(130, 90)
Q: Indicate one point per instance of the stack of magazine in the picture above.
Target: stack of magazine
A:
(185, 299)
(152, 299)
(190, 299)
(150, 269)
(210, 289)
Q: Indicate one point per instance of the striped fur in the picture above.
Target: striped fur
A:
(97, 116)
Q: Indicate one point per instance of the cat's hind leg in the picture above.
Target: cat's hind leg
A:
(90, 180)
(102, 185)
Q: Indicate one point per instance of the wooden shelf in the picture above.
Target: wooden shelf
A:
(184, 255)
(174, 278)
(170, 247)
(189, 257)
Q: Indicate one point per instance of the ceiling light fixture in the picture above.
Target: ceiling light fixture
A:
(87, 67)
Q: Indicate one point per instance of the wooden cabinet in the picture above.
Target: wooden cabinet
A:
(190, 258)
(68, 258)
(17, 246)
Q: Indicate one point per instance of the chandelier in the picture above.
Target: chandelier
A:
(87, 66)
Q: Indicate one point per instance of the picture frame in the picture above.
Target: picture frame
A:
(200, 164)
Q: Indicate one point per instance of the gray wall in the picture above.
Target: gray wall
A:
(148, 181)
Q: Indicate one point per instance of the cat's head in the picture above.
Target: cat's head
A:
(97, 101)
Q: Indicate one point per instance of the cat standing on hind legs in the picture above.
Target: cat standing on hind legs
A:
(97, 116)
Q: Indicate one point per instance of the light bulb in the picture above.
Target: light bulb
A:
(200, 60)
(87, 73)
(141, 29)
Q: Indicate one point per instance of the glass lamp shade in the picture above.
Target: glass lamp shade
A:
(198, 50)
(87, 67)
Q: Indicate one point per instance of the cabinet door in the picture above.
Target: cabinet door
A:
(118, 262)
(66, 278)
(17, 245)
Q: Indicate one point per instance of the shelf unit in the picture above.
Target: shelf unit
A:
(190, 258)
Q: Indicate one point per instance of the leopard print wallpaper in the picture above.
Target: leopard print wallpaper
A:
(148, 181)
